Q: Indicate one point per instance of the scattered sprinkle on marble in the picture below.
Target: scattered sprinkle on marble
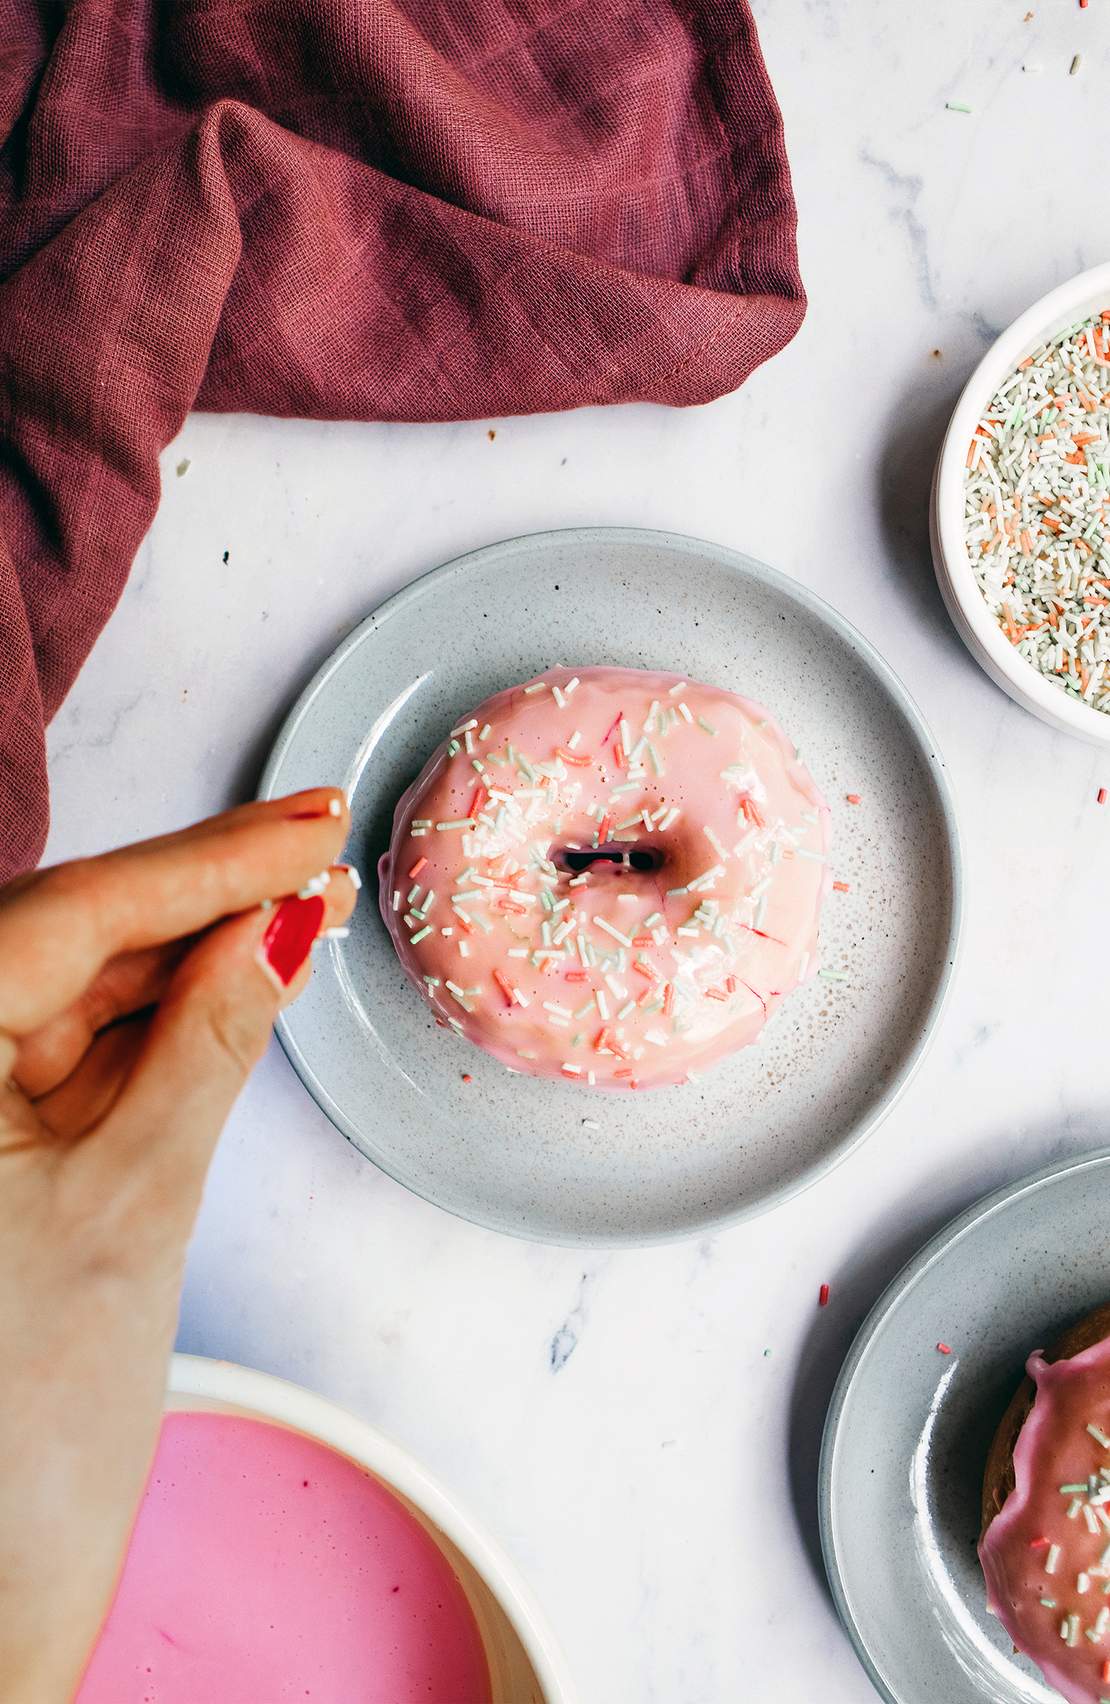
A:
(944, 1348)
(1100, 796)
(853, 798)
(823, 1296)
(466, 1077)
(1075, 64)
(183, 467)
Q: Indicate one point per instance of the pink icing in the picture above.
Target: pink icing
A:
(264, 1566)
(611, 977)
(1050, 1544)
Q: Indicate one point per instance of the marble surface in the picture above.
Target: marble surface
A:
(615, 1419)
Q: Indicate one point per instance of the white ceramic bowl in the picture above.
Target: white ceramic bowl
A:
(1086, 294)
(525, 1664)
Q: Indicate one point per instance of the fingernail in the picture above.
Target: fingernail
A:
(289, 936)
(333, 808)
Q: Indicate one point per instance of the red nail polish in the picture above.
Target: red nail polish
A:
(288, 939)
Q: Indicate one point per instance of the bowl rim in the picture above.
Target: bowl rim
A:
(1042, 319)
(293, 1405)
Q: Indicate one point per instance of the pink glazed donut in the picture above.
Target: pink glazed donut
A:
(608, 875)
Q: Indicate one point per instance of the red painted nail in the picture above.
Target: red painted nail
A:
(288, 939)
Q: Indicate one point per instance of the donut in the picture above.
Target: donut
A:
(1045, 1541)
(608, 875)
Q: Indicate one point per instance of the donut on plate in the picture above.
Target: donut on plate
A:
(608, 875)
(1045, 1542)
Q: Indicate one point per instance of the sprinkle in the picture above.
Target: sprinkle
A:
(466, 1077)
(853, 798)
(685, 712)
(956, 106)
(1075, 64)
(1052, 1559)
(461, 822)
(417, 867)
(1100, 796)
(841, 887)
(570, 686)
(539, 686)
(1049, 1603)
(823, 1296)
(1082, 1583)
(464, 727)
(834, 975)
(944, 1348)
(625, 940)
(1070, 1630)
(1038, 1543)
(706, 726)
(1098, 1435)
(396, 899)
(339, 933)
(335, 809)
(679, 686)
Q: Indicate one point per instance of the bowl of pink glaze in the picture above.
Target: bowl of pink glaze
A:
(285, 1550)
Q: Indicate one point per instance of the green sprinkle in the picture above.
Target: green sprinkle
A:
(420, 934)
(453, 748)
(834, 975)
(1049, 1603)
(484, 733)
(766, 1352)
(957, 106)
(1070, 1490)
(707, 726)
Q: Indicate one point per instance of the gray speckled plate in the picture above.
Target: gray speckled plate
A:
(909, 1428)
(552, 1160)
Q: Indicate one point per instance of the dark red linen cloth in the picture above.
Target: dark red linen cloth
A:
(347, 209)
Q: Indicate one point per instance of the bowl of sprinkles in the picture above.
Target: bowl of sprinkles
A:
(1020, 520)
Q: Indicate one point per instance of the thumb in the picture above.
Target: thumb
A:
(210, 1029)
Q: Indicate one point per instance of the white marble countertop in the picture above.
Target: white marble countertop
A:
(614, 1418)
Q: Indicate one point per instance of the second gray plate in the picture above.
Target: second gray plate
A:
(909, 1429)
(552, 1160)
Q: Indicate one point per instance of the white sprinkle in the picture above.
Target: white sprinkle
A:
(685, 712)
(575, 738)
(396, 899)
(1099, 1436)
(679, 686)
(571, 685)
(464, 727)
(1051, 1561)
(353, 876)
(600, 923)
(338, 933)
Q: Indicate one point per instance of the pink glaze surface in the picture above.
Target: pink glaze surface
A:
(612, 977)
(1048, 1543)
(266, 1567)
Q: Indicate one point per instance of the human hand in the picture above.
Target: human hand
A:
(137, 990)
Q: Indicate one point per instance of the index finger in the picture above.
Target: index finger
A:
(58, 928)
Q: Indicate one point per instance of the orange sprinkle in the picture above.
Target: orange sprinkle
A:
(416, 868)
(853, 798)
(505, 986)
(841, 887)
(1100, 796)
(466, 1077)
(578, 760)
(715, 994)
(668, 1000)
(603, 829)
(644, 970)
(642, 941)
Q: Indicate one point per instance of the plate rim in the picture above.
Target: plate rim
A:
(737, 562)
(907, 1277)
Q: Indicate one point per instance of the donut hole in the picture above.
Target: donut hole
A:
(635, 860)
